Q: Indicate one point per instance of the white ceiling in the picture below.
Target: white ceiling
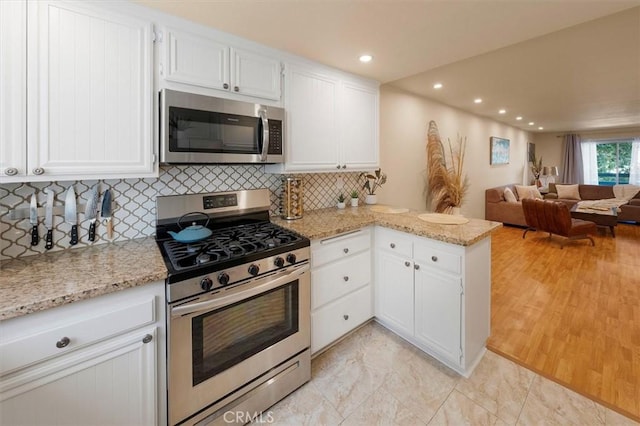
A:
(543, 60)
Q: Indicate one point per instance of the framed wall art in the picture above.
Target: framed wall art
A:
(499, 151)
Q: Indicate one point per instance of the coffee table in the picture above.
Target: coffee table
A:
(601, 220)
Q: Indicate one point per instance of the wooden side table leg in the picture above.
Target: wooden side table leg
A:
(613, 231)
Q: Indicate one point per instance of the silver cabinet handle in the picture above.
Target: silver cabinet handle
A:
(344, 166)
(63, 343)
(338, 166)
(416, 267)
(345, 278)
(407, 264)
(236, 89)
(148, 338)
(12, 171)
(392, 245)
(38, 171)
(434, 258)
(346, 250)
(346, 317)
(225, 86)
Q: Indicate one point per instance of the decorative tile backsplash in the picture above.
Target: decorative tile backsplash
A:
(135, 200)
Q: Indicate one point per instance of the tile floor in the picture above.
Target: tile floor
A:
(375, 378)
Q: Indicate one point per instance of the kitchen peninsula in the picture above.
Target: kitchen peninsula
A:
(429, 283)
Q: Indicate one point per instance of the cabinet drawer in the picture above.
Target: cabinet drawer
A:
(336, 319)
(395, 242)
(339, 247)
(435, 257)
(334, 280)
(50, 342)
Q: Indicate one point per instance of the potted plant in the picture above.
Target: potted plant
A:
(341, 203)
(371, 183)
(354, 198)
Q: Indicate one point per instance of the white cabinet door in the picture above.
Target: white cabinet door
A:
(13, 89)
(394, 292)
(196, 60)
(359, 126)
(311, 104)
(255, 75)
(113, 382)
(438, 302)
(90, 92)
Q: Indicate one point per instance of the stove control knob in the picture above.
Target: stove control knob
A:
(206, 283)
(279, 262)
(223, 278)
(254, 269)
(291, 258)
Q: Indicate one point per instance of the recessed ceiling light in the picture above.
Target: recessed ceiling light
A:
(366, 58)
(540, 128)
(437, 86)
(502, 111)
(477, 100)
(518, 118)
(531, 123)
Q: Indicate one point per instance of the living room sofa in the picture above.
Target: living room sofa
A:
(629, 212)
(499, 210)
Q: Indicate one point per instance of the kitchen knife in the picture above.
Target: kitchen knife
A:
(48, 220)
(91, 211)
(70, 215)
(106, 212)
(33, 219)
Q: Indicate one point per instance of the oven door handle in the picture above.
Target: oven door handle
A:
(219, 302)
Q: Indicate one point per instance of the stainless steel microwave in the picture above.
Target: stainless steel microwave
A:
(197, 129)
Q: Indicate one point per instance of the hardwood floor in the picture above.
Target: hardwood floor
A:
(571, 315)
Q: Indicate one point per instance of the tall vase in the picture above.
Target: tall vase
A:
(371, 199)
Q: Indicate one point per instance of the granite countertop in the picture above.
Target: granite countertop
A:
(40, 282)
(324, 223)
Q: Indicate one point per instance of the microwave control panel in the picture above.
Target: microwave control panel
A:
(275, 137)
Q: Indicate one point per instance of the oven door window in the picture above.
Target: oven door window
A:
(202, 131)
(228, 336)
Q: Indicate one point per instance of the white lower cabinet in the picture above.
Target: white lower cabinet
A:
(435, 295)
(341, 294)
(394, 298)
(92, 362)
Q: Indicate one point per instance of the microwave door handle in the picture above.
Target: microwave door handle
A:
(219, 302)
(265, 135)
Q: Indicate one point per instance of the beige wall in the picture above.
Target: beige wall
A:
(549, 145)
(403, 127)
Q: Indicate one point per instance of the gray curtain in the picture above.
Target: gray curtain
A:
(572, 160)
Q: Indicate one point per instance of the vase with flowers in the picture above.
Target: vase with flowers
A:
(536, 169)
(371, 182)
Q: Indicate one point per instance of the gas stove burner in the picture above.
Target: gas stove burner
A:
(191, 249)
(203, 258)
(272, 242)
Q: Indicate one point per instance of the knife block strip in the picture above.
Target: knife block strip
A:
(23, 212)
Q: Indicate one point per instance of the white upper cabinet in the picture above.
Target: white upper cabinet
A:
(332, 122)
(311, 106)
(201, 61)
(359, 126)
(90, 95)
(13, 88)
(196, 60)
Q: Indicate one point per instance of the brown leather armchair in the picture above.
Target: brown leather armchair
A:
(555, 218)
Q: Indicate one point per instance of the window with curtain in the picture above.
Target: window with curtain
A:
(611, 162)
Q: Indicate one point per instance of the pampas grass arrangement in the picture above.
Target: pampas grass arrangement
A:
(446, 186)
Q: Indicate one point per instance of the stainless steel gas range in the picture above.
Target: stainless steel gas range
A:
(238, 314)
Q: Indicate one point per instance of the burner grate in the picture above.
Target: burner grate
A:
(228, 244)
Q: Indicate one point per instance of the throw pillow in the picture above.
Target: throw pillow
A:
(509, 196)
(568, 192)
(530, 191)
